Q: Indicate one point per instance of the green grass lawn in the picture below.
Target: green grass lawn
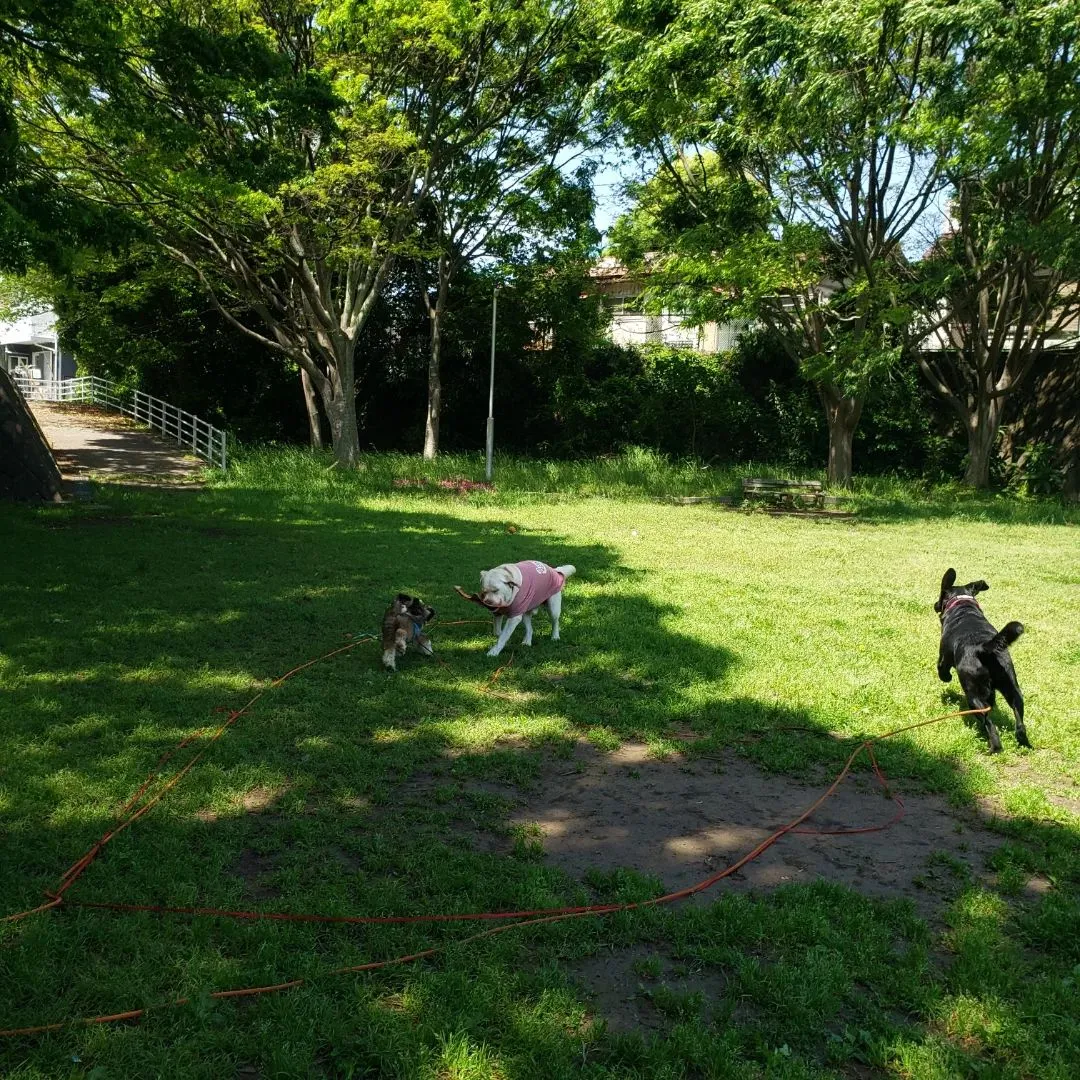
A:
(127, 622)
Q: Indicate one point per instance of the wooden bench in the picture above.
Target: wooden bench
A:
(784, 494)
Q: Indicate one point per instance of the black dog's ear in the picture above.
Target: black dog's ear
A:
(975, 587)
(947, 583)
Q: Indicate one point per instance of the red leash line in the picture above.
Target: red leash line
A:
(126, 816)
(551, 916)
(551, 913)
(591, 909)
(318, 660)
(880, 777)
(157, 771)
(498, 671)
(72, 874)
(31, 911)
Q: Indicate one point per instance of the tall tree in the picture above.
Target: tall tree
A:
(1003, 284)
(42, 222)
(506, 175)
(809, 115)
(280, 150)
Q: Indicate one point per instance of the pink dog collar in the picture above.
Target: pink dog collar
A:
(951, 603)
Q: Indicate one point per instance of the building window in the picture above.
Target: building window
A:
(624, 303)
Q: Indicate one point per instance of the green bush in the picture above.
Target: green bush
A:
(1037, 471)
(682, 403)
(905, 431)
(750, 404)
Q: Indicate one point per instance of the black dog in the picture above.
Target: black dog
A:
(979, 653)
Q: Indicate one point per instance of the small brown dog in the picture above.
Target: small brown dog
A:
(404, 623)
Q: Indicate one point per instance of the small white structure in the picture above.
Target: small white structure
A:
(620, 291)
(30, 349)
(950, 337)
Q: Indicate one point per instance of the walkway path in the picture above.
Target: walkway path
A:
(89, 440)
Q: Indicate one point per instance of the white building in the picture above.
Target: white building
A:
(621, 291)
(30, 347)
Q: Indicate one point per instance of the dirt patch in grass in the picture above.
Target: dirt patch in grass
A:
(639, 989)
(1072, 805)
(260, 798)
(253, 869)
(481, 841)
(682, 820)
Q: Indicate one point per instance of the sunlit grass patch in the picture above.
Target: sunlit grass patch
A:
(693, 630)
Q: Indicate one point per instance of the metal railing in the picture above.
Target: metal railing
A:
(190, 432)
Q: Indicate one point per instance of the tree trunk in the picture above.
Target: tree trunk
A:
(343, 432)
(982, 428)
(339, 404)
(980, 409)
(312, 406)
(842, 413)
(434, 399)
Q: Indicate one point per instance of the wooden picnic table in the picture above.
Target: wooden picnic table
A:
(786, 494)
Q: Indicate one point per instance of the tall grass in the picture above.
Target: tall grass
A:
(636, 473)
(633, 473)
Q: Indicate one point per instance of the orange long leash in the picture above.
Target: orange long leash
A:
(128, 816)
(130, 812)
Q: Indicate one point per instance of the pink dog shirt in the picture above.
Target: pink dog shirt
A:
(539, 582)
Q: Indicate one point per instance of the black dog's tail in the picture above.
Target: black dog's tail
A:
(1003, 638)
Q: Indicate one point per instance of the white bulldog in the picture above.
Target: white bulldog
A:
(516, 591)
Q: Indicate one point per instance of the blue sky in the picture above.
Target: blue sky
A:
(617, 168)
(609, 203)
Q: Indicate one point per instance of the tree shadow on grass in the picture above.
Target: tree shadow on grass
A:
(346, 790)
(840, 980)
(129, 624)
